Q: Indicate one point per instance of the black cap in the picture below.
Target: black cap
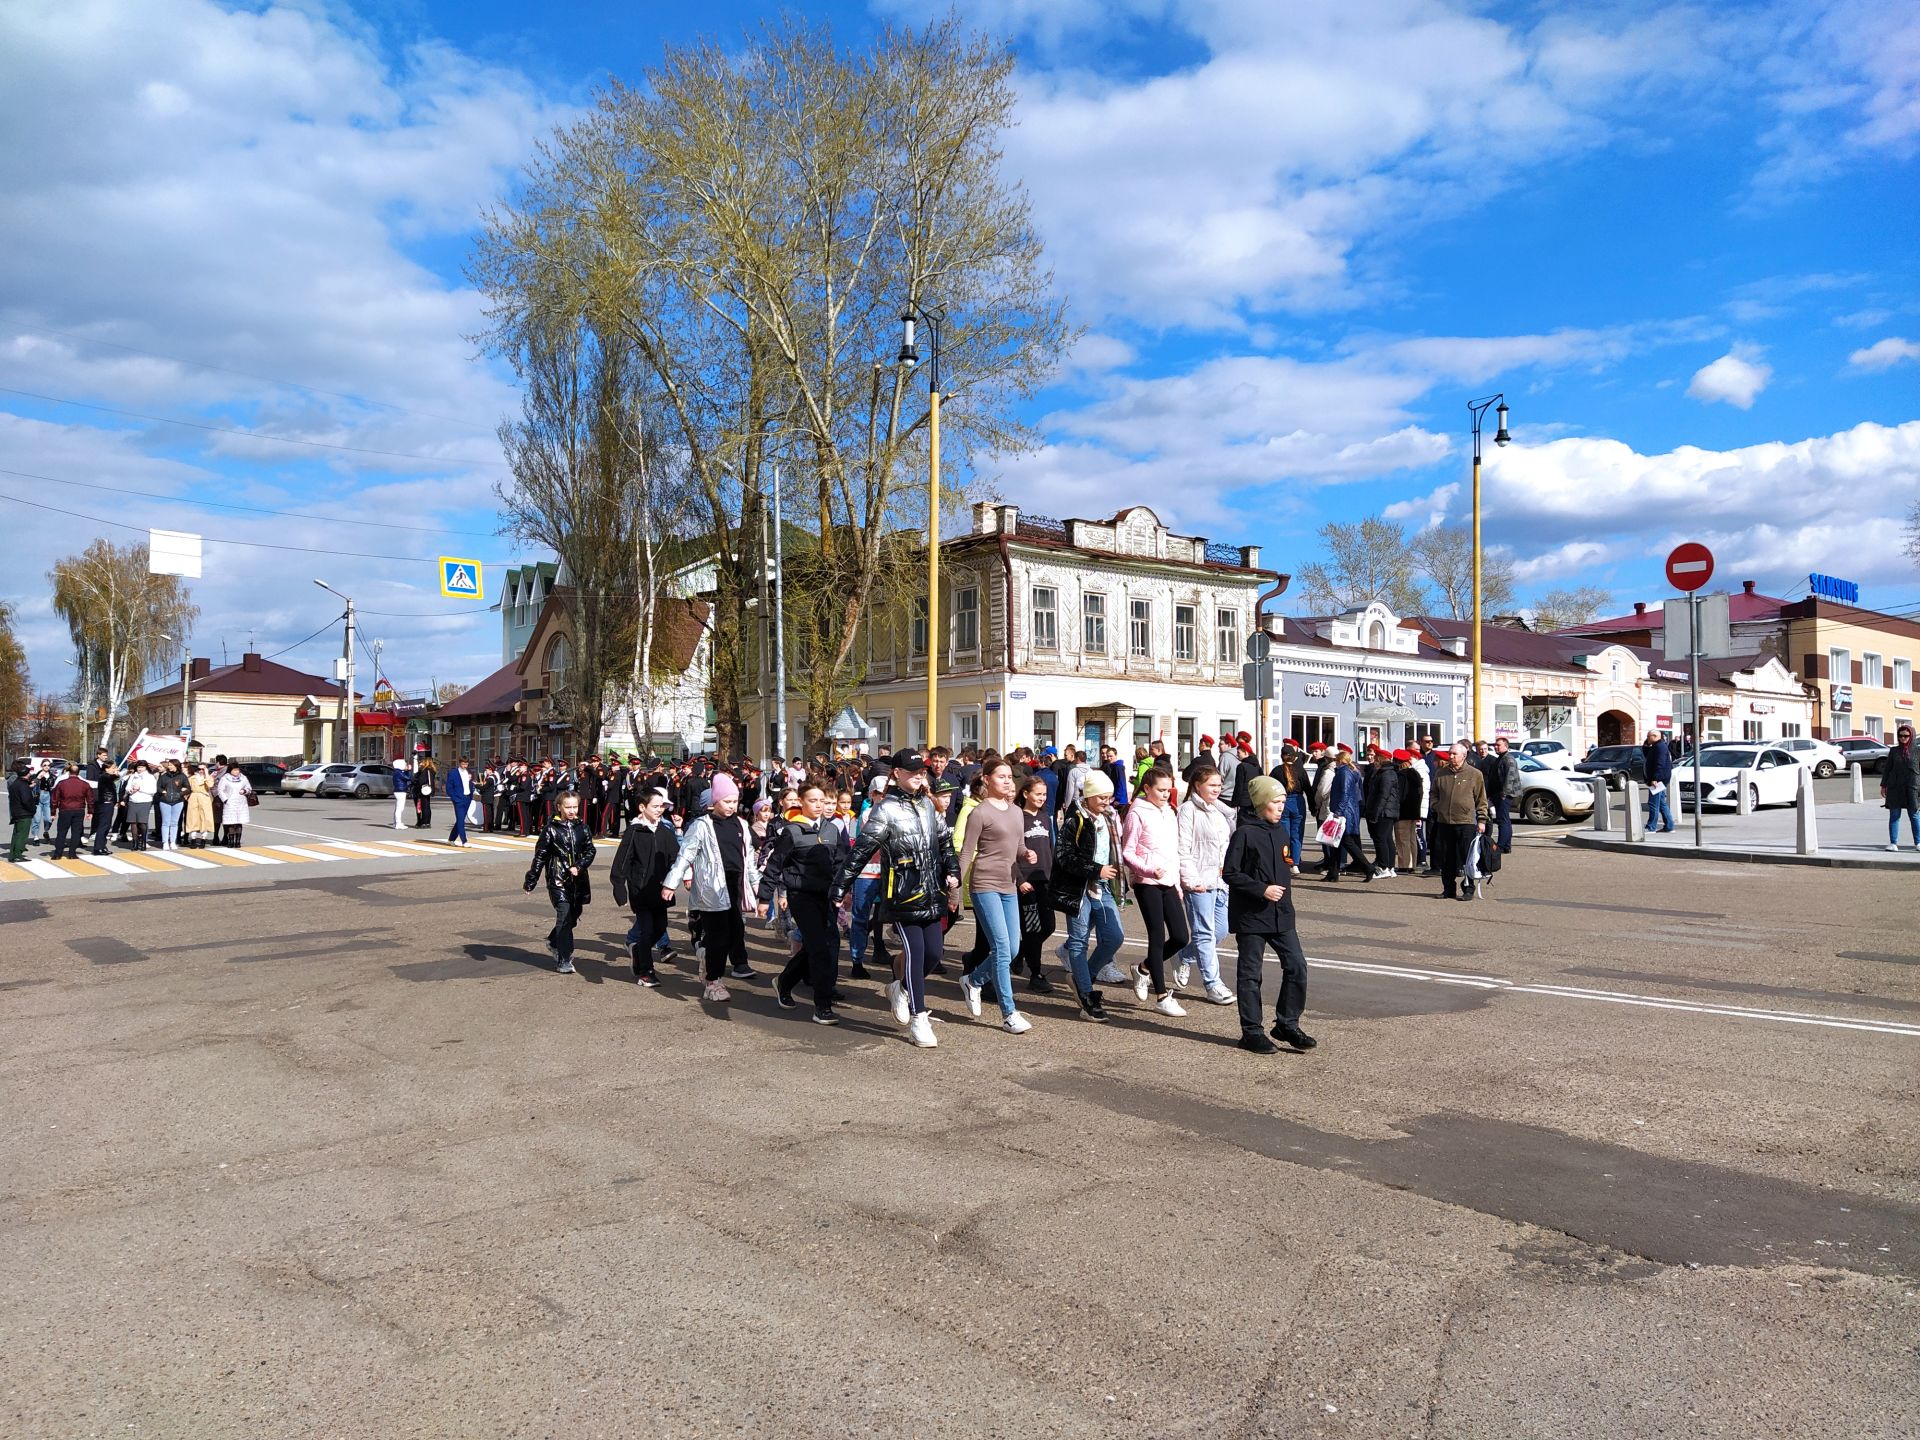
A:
(909, 760)
(942, 786)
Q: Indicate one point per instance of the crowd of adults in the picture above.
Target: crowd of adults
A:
(139, 805)
(886, 851)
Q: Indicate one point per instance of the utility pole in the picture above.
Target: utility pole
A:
(345, 724)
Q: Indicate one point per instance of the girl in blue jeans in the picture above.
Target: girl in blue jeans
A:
(1086, 870)
(994, 847)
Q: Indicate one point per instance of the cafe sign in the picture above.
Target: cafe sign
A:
(1383, 693)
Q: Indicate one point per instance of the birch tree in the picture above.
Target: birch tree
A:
(118, 616)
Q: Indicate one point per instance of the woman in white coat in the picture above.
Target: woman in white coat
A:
(232, 792)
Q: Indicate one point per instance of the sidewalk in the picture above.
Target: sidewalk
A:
(1850, 836)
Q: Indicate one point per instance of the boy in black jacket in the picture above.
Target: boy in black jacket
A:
(1260, 915)
(648, 848)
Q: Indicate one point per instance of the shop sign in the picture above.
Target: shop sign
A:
(1317, 690)
(1827, 587)
(1381, 691)
(1761, 707)
(1842, 699)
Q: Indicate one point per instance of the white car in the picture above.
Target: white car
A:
(305, 779)
(1548, 795)
(1826, 758)
(1771, 775)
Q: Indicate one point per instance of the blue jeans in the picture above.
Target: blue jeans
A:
(170, 822)
(999, 915)
(1207, 920)
(42, 818)
(1294, 817)
(865, 895)
(1099, 915)
(1503, 820)
(1659, 806)
(1893, 826)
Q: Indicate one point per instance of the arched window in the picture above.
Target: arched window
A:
(1377, 635)
(558, 657)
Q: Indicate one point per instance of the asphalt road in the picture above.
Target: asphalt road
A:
(1625, 1150)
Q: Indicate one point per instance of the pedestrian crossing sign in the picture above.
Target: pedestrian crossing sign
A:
(460, 579)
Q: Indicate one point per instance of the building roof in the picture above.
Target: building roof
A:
(1744, 604)
(494, 695)
(1300, 630)
(254, 676)
(1505, 645)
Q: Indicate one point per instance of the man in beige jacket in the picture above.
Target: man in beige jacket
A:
(1456, 812)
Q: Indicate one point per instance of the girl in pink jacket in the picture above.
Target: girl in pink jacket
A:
(1150, 849)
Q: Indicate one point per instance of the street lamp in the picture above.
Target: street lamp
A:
(346, 698)
(1477, 409)
(909, 357)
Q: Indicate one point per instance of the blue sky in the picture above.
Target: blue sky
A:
(1299, 238)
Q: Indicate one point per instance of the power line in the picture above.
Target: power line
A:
(250, 375)
(248, 544)
(248, 434)
(251, 509)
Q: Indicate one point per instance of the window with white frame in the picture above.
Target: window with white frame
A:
(1140, 629)
(1902, 675)
(1876, 726)
(1186, 639)
(1183, 753)
(1046, 618)
(1226, 639)
(1229, 727)
(1365, 736)
(1750, 730)
(1046, 726)
(1872, 671)
(1309, 729)
(1142, 734)
(882, 731)
(1093, 623)
(1790, 730)
(917, 630)
(917, 729)
(966, 619)
(966, 728)
(1840, 665)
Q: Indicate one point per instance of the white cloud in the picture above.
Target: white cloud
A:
(1561, 561)
(1428, 510)
(1884, 354)
(1736, 378)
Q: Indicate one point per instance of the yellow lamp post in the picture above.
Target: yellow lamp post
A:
(1477, 409)
(910, 356)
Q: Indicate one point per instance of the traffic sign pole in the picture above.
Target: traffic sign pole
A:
(1693, 686)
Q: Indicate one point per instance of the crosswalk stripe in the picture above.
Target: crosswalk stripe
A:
(184, 861)
(45, 870)
(412, 847)
(78, 868)
(302, 854)
(11, 870)
(249, 857)
(363, 847)
(222, 857)
(116, 865)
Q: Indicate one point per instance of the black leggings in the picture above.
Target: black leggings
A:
(723, 935)
(818, 962)
(566, 914)
(1386, 852)
(1165, 917)
(1034, 935)
(649, 924)
(922, 943)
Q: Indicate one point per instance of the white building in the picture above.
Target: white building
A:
(1055, 632)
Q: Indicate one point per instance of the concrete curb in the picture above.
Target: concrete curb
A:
(1733, 856)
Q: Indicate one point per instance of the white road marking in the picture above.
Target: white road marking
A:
(296, 851)
(360, 848)
(1604, 997)
(114, 865)
(247, 857)
(46, 870)
(185, 862)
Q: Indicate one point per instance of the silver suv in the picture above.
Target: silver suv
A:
(362, 782)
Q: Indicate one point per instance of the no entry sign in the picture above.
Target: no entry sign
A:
(1689, 566)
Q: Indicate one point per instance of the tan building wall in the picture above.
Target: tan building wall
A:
(249, 726)
(1882, 645)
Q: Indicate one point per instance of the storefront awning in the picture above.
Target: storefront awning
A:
(376, 719)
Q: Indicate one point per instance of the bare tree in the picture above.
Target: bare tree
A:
(1365, 561)
(118, 615)
(1443, 556)
(758, 219)
(1557, 609)
(1913, 533)
(448, 691)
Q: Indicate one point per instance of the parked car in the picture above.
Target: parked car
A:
(1825, 757)
(362, 782)
(1615, 764)
(302, 779)
(1862, 750)
(264, 775)
(1548, 794)
(1550, 753)
(1772, 776)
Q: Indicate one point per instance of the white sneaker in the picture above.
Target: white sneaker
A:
(1167, 1005)
(971, 994)
(1895, 846)
(897, 998)
(920, 1031)
(1181, 974)
(1109, 975)
(1386, 874)
(1142, 982)
(1219, 994)
(1295, 869)
(715, 993)
(1016, 1024)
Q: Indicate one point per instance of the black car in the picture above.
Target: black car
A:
(1616, 763)
(264, 775)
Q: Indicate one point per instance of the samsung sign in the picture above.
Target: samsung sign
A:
(1826, 587)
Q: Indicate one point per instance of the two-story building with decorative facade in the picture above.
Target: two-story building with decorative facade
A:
(1057, 632)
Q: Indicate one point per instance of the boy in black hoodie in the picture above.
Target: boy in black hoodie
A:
(1260, 915)
(648, 848)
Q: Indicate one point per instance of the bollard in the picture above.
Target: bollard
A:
(1745, 797)
(1636, 815)
(1602, 812)
(1859, 789)
(1807, 831)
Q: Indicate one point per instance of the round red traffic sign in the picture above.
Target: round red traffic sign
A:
(1690, 566)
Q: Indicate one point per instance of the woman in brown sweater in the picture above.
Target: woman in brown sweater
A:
(995, 843)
